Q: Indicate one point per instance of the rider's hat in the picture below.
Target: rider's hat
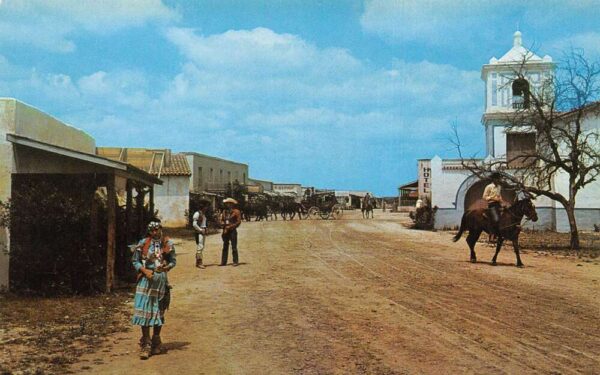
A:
(495, 176)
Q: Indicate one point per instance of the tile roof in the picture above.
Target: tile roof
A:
(177, 167)
(149, 160)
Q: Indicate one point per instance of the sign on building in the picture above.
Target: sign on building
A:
(424, 179)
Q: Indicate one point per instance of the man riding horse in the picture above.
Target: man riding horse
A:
(367, 206)
(493, 196)
(505, 223)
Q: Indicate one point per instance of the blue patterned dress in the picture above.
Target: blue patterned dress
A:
(152, 297)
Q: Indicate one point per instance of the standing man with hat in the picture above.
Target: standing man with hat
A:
(493, 196)
(199, 224)
(231, 218)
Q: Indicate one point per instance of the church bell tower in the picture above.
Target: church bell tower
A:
(505, 93)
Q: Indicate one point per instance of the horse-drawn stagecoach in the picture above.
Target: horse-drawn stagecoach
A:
(321, 204)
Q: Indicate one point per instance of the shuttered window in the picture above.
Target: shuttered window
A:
(518, 145)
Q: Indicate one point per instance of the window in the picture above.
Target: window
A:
(494, 90)
(520, 91)
(518, 146)
(229, 176)
(221, 176)
(211, 176)
(200, 176)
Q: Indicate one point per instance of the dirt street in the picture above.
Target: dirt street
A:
(358, 296)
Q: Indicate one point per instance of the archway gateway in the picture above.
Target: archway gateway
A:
(473, 197)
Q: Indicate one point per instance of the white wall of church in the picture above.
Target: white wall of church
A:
(499, 142)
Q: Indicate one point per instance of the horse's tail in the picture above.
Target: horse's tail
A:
(463, 223)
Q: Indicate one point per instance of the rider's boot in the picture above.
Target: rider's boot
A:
(494, 216)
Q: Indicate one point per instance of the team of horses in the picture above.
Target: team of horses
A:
(260, 206)
(264, 207)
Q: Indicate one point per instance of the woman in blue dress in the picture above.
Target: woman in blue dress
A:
(153, 257)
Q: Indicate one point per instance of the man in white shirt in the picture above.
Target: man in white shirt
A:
(199, 224)
(493, 196)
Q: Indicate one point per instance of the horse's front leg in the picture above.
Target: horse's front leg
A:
(517, 251)
(499, 241)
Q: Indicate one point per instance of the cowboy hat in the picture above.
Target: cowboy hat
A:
(495, 176)
(230, 200)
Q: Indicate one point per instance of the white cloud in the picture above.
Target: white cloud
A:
(429, 21)
(51, 24)
(259, 50)
(589, 42)
(459, 23)
(296, 99)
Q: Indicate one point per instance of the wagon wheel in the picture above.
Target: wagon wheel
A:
(303, 213)
(337, 212)
(313, 212)
(325, 214)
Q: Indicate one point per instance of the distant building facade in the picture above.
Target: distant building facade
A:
(295, 189)
(408, 195)
(260, 185)
(212, 174)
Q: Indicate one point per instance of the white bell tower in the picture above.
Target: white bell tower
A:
(505, 94)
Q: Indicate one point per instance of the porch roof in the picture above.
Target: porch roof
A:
(126, 169)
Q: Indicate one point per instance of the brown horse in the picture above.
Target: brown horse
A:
(476, 221)
(367, 207)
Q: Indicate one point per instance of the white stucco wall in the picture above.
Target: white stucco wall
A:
(32, 123)
(231, 171)
(445, 184)
(172, 199)
(6, 167)
(21, 119)
(288, 188)
(499, 142)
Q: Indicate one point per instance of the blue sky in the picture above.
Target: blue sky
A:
(337, 94)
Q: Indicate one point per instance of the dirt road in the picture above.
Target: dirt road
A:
(360, 296)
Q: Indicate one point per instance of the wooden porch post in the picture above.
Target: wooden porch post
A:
(94, 221)
(128, 214)
(111, 208)
(151, 201)
(139, 209)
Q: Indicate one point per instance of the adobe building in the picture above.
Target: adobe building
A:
(295, 189)
(37, 150)
(210, 174)
(172, 198)
(258, 186)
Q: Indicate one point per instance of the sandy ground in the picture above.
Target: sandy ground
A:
(357, 296)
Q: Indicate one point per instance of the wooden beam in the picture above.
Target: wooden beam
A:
(128, 214)
(139, 209)
(151, 201)
(111, 210)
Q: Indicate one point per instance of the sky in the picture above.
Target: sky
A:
(334, 94)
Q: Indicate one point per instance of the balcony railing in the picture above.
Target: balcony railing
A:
(216, 186)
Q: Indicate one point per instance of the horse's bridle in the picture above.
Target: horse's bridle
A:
(516, 216)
